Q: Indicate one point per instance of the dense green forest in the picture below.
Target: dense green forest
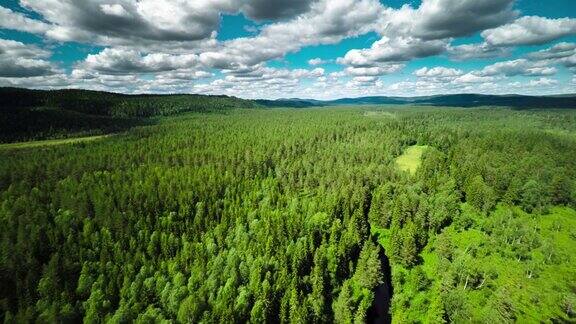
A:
(284, 215)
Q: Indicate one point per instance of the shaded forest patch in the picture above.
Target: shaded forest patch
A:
(380, 310)
(25, 124)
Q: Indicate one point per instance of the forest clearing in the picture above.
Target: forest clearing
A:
(411, 158)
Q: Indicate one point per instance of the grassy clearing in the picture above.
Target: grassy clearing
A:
(539, 287)
(411, 159)
(33, 144)
(372, 113)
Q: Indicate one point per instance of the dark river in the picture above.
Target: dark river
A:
(379, 312)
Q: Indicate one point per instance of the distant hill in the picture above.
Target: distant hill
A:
(453, 100)
(118, 105)
(146, 105)
(36, 114)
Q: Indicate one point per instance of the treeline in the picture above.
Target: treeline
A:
(269, 216)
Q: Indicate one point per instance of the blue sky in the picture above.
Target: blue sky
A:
(291, 48)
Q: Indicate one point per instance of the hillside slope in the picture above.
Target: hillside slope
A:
(36, 114)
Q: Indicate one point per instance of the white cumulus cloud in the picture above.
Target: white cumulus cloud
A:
(530, 30)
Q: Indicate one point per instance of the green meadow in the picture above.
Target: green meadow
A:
(411, 158)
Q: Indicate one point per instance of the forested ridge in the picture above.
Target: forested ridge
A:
(116, 104)
(281, 215)
(27, 114)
